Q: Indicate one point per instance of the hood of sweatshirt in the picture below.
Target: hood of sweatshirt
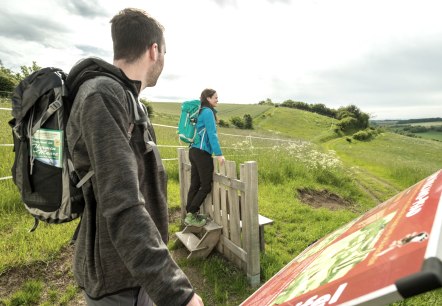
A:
(91, 67)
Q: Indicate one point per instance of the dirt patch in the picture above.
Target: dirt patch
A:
(56, 275)
(174, 214)
(323, 198)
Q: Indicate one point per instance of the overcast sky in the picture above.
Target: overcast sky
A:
(384, 56)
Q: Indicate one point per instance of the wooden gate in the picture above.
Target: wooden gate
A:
(233, 204)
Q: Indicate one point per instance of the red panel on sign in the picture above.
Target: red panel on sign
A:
(364, 259)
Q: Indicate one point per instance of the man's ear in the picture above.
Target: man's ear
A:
(153, 52)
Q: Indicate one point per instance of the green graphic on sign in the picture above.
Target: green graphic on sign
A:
(47, 146)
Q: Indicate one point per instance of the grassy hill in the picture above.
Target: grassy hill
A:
(295, 150)
(169, 112)
(297, 124)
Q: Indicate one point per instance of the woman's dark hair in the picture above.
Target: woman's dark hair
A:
(207, 93)
(133, 32)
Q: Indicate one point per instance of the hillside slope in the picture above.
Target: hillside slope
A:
(297, 124)
(390, 160)
(169, 112)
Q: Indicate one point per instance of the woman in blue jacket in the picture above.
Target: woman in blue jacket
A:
(200, 155)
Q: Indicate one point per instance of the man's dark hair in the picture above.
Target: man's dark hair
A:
(133, 32)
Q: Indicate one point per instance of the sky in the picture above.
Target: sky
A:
(384, 56)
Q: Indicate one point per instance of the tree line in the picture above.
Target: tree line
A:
(350, 118)
(10, 79)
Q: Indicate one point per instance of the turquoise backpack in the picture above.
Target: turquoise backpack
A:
(187, 124)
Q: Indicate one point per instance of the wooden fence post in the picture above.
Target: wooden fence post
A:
(250, 221)
(183, 181)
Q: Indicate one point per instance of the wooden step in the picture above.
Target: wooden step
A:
(190, 240)
(200, 248)
(212, 226)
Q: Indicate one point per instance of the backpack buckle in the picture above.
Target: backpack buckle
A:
(16, 130)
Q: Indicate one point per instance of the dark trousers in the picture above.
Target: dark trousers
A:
(201, 177)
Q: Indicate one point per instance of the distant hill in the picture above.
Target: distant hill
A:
(407, 121)
(225, 111)
(283, 121)
(425, 120)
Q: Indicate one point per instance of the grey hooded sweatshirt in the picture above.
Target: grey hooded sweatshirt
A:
(122, 237)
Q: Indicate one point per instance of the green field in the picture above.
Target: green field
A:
(433, 131)
(427, 124)
(431, 135)
(295, 150)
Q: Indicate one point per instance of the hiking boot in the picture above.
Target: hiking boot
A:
(194, 220)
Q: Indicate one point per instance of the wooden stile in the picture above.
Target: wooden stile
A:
(240, 238)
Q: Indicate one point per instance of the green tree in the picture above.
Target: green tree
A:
(248, 122)
(149, 107)
(268, 101)
(237, 121)
(28, 70)
(8, 81)
(351, 118)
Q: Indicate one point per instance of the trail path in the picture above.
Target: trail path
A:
(377, 188)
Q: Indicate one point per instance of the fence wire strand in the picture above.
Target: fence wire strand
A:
(248, 138)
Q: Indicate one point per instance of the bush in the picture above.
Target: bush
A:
(7, 85)
(248, 122)
(223, 123)
(245, 123)
(149, 107)
(237, 121)
(366, 134)
(362, 135)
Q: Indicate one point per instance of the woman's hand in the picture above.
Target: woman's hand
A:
(221, 159)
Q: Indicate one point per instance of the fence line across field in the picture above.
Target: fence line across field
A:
(234, 135)
(225, 134)
(176, 146)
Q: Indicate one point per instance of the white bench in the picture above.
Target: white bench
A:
(263, 221)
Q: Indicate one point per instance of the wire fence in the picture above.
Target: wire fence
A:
(247, 141)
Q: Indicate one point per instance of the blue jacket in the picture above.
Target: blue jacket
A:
(206, 128)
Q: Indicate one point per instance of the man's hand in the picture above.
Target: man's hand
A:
(196, 301)
(221, 160)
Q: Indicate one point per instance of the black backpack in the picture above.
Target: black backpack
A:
(42, 169)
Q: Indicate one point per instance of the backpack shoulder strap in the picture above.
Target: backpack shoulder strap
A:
(143, 119)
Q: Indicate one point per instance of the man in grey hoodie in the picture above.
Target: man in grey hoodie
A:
(121, 257)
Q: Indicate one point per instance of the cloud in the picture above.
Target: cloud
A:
(404, 75)
(89, 50)
(171, 77)
(234, 3)
(406, 69)
(225, 3)
(84, 8)
(279, 1)
(31, 28)
(327, 52)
